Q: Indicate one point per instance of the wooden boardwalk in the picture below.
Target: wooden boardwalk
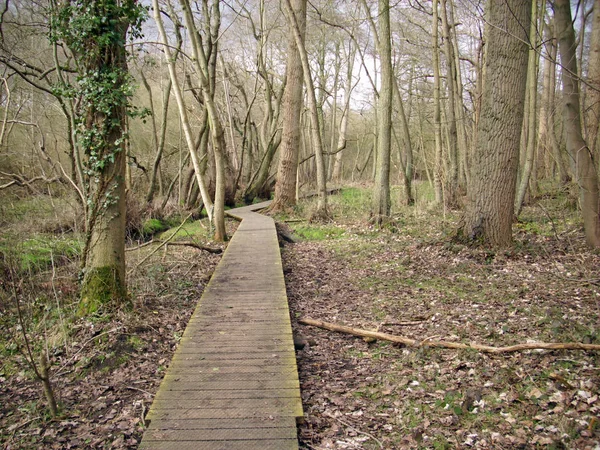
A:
(233, 382)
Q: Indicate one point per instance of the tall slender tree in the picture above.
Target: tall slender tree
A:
(530, 120)
(579, 152)
(437, 114)
(381, 207)
(313, 106)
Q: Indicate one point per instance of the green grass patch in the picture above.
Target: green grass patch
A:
(195, 229)
(317, 232)
(38, 252)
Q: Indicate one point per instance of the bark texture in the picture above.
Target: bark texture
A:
(490, 208)
(285, 188)
(593, 93)
(381, 196)
(104, 254)
(579, 152)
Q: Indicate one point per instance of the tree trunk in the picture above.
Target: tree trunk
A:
(103, 139)
(452, 182)
(463, 141)
(285, 188)
(437, 115)
(183, 115)
(381, 207)
(490, 208)
(556, 150)
(593, 92)
(341, 144)
(205, 67)
(532, 132)
(407, 169)
(159, 136)
(585, 170)
(315, 121)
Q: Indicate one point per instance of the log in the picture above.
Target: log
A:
(431, 342)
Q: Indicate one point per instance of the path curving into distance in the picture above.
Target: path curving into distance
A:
(233, 381)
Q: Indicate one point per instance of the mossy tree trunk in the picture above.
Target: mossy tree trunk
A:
(96, 33)
(104, 277)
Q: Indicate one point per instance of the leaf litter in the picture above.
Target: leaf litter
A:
(106, 378)
(357, 394)
(369, 395)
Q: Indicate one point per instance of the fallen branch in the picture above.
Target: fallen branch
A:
(163, 243)
(198, 246)
(184, 243)
(429, 342)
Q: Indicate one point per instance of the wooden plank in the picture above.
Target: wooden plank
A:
(228, 403)
(216, 376)
(262, 444)
(266, 347)
(233, 382)
(214, 366)
(216, 434)
(227, 363)
(191, 394)
(232, 413)
(182, 382)
(228, 424)
(197, 348)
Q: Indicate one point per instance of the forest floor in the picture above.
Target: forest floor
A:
(409, 279)
(413, 281)
(105, 369)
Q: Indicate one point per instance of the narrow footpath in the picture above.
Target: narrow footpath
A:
(233, 381)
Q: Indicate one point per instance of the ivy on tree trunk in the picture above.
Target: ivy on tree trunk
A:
(95, 32)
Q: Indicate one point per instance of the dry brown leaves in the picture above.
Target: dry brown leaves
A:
(378, 395)
(106, 377)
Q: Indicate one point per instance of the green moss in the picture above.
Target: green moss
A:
(102, 286)
(136, 342)
(153, 226)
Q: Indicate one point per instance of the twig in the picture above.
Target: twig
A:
(163, 243)
(429, 342)
(145, 244)
(19, 426)
(356, 429)
(60, 372)
(198, 246)
(140, 390)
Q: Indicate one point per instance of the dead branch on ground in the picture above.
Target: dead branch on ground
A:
(181, 243)
(430, 342)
